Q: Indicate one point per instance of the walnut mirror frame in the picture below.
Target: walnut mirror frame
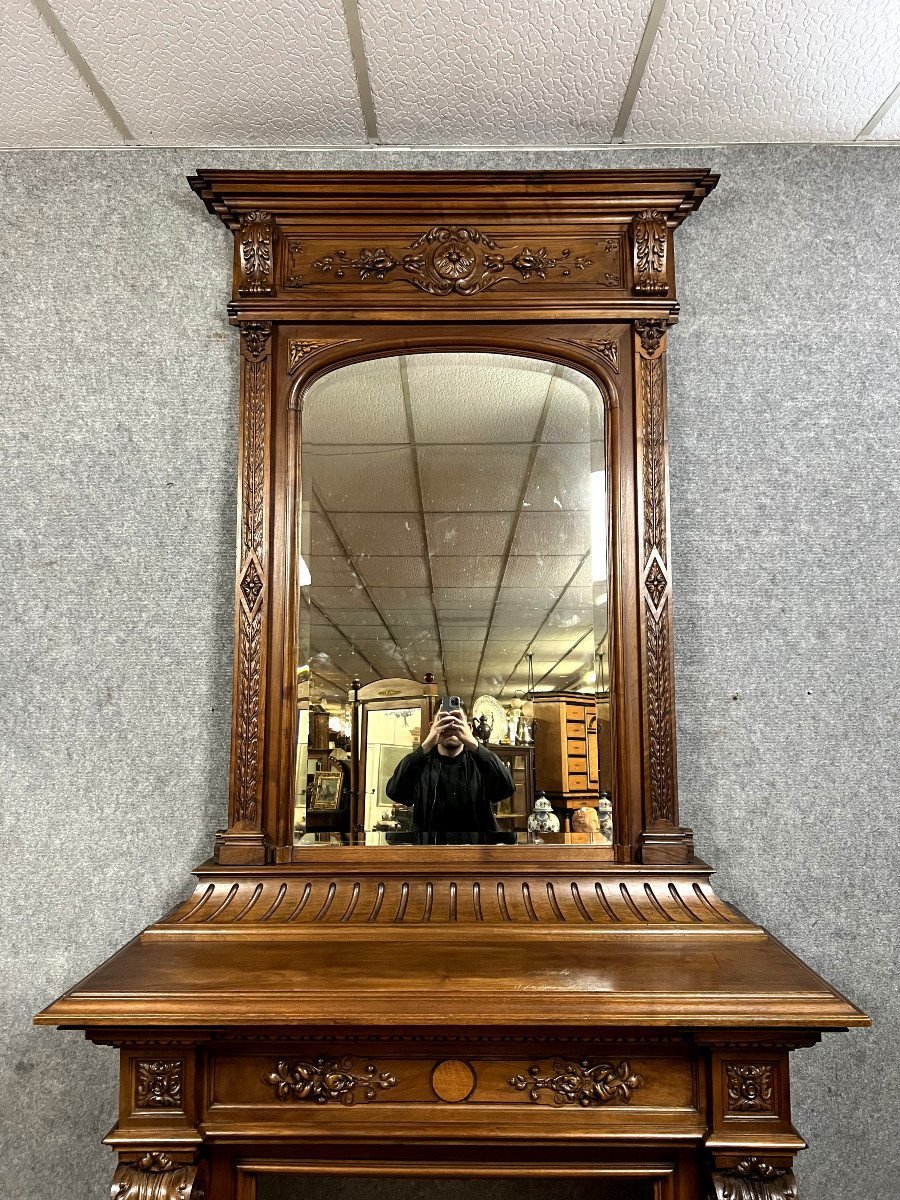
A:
(575, 269)
(463, 1011)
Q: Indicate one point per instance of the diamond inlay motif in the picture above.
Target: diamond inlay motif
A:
(656, 583)
(251, 585)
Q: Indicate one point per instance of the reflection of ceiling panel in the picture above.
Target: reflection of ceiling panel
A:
(369, 479)
(356, 406)
(472, 478)
(454, 601)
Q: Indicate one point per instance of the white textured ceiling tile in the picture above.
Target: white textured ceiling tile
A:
(888, 128)
(767, 70)
(182, 72)
(43, 99)
(500, 71)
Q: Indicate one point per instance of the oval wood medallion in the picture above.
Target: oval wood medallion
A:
(453, 1080)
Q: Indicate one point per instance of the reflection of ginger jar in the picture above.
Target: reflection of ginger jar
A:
(543, 819)
(604, 812)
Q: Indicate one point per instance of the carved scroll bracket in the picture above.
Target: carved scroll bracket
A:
(155, 1176)
(753, 1179)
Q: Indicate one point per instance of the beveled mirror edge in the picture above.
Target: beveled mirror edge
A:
(288, 271)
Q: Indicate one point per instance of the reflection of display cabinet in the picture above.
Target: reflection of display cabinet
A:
(513, 813)
(567, 751)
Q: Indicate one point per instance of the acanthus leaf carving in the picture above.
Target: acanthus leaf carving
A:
(158, 1083)
(256, 237)
(753, 1179)
(155, 1176)
(580, 1082)
(324, 1081)
(750, 1087)
(648, 233)
(303, 348)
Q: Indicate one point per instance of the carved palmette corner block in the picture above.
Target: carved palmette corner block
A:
(648, 239)
(301, 349)
(325, 1081)
(255, 251)
(750, 1088)
(582, 1082)
(158, 1083)
(650, 335)
(753, 1179)
(154, 1176)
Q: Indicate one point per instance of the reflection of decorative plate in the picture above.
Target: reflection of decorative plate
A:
(493, 710)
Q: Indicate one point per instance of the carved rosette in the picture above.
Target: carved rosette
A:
(750, 1087)
(325, 1081)
(753, 1179)
(255, 251)
(460, 260)
(581, 1082)
(655, 577)
(251, 578)
(648, 239)
(154, 1176)
(158, 1083)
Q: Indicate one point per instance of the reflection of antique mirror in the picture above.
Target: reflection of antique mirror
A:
(453, 482)
(454, 533)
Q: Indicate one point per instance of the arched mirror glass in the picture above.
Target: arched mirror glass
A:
(453, 580)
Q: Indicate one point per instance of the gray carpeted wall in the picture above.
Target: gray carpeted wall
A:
(118, 375)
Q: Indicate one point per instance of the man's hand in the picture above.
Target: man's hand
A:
(446, 723)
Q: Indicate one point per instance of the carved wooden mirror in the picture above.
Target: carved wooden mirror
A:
(454, 473)
(463, 939)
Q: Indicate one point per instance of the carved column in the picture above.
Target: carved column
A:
(244, 841)
(663, 840)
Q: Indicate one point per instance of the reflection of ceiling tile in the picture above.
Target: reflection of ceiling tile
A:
(553, 533)
(472, 478)
(476, 397)
(399, 571)
(380, 534)
(475, 571)
(362, 479)
(467, 533)
(560, 478)
(356, 406)
(555, 570)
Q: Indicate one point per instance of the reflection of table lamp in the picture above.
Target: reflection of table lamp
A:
(515, 715)
(528, 706)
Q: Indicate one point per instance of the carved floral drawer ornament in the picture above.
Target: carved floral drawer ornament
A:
(350, 995)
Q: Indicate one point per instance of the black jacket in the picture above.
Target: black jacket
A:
(487, 781)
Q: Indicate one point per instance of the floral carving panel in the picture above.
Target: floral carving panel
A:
(458, 260)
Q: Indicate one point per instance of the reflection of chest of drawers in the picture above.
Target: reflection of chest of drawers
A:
(566, 748)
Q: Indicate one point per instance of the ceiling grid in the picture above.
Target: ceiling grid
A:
(560, 74)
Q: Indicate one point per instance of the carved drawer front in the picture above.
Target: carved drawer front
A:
(301, 1086)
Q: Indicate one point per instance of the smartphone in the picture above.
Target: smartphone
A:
(449, 703)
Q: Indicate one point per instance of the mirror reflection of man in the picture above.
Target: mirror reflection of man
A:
(452, 783)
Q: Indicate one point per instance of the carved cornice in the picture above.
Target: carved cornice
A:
(648, 239)
(750, 1087)
(754, 1179)
(459, 260)
(325, 1081)
(155, 1176)
(585, 1083)
(158, 1083)
(255, 251)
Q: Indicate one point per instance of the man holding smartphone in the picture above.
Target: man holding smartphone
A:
(451, 782)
